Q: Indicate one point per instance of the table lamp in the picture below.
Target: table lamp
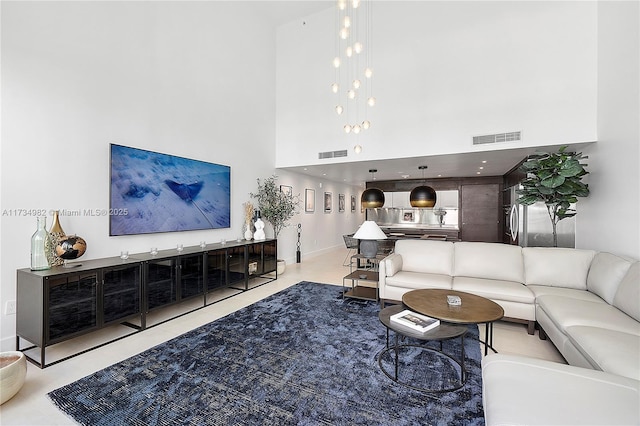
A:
(369, 233)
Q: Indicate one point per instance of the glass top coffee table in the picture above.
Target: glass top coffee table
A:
(473, 309)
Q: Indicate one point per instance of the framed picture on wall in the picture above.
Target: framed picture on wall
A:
(328, 202)
(353, 203)
(286, 189)
(341, 203)
(309, 200)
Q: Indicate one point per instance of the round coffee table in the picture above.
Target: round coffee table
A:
(442, 332)
(473, 309)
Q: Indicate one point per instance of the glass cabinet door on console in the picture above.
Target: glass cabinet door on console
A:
(236, 266)
(191, 275)
(121, 292)
(72, 305)
(270, 256)
(161, 283)
(261, 258)
(216, 269)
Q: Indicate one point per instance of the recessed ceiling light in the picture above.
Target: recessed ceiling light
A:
(439, 175)
(477, 173)
(481, 168)
(405, 176)
(484, 161)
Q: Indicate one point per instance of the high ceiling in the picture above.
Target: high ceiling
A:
(492, 162)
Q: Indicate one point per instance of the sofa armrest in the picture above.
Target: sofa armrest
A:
(392, 265)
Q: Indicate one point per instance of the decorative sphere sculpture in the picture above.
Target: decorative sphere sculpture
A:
(71, 247)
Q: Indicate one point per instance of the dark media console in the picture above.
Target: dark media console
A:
(59, 304)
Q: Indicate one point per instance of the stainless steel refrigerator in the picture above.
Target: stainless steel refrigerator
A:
(530, 226)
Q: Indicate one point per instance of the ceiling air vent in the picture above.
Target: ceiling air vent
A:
(498, 137)
(332, 154)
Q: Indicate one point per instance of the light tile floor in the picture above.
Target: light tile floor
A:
(32, 407)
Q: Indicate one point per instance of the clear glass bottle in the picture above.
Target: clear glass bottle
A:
(39, 242)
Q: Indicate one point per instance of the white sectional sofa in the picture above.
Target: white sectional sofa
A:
(586, 302)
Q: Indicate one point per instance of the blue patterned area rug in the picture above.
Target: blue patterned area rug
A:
(299, 357)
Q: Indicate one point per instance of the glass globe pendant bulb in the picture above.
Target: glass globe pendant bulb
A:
(336, 62)
(344, 33)
(357, 47)
(356, 84)
(371, 101)
(356, 128)
(335, 87)
(368, 72)
(357, 149)
(355, 3)
(349, 52)
(342, 4)
(346, 22)
(351, 94)
(347, 128)
(366, 124)
(339, 109)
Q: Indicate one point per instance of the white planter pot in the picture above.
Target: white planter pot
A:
(13, 370)
(281, 266)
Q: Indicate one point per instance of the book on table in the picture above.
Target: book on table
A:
(415, 321)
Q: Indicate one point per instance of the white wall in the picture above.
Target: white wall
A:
(194, 79)
(320, 230)
(443, 72)
(609, 219)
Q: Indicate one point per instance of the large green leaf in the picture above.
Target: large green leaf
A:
(553, 181)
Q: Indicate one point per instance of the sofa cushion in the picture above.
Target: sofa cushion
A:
(488, 260)
(416, 280)
(559, 267)
(494, 289)
(566, 312)
(611, 351)
(518, 391)
(542, 290)
(435, 257)
(627, 298)
(605, 274)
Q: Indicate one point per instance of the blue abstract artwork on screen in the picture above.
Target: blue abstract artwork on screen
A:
(152, 192)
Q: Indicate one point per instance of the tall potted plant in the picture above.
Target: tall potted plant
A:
(275, 206)
(556, 180)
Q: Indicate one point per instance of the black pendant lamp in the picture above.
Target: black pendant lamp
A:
(423, 195)
(372, 197)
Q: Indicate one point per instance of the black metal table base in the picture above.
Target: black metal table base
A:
(396, 347)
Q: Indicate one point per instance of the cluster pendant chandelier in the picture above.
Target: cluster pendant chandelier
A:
(352, 83)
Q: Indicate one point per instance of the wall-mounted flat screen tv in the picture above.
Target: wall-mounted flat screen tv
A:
(152, 192)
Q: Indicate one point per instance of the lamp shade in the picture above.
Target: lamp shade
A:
(422, 196)
(369, 230)
(369, 233)
(372, 198)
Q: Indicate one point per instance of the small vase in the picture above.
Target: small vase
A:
(248, 235)
(259, 234)
(38, 244)
(55, 235)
